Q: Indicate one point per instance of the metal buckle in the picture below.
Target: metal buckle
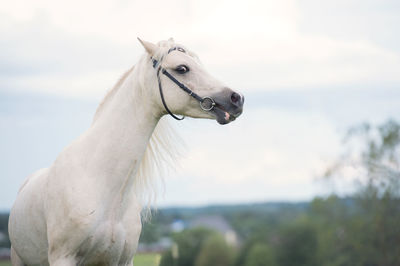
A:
(211, 105)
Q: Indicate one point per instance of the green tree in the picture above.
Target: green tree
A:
(373, 149)
(215, 251)
(329, 218)
(4, 239)
(297, 245)
(189, 244)
(167, 259)
(261, 254)
(150, 233)
(370, 234)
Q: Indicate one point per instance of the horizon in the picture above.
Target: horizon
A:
(228, 205)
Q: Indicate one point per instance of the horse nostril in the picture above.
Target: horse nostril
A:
(235, 98)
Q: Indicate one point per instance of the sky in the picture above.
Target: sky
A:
(309, 70)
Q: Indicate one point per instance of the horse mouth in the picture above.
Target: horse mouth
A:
(225, 117)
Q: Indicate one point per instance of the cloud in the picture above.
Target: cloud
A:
(80, 49)
(265, 151)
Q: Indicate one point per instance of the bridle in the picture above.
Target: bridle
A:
(206, 103)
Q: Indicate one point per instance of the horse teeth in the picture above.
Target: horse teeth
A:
(227, 116)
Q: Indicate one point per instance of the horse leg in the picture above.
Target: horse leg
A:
(15, 259)
(64, 262)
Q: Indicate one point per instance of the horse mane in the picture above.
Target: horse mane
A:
(161, 154)
(110, 94)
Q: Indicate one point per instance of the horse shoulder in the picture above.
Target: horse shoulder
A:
(29, 177)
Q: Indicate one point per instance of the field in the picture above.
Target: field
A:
(150, 259)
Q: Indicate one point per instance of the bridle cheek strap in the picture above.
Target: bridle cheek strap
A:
(206, 103)
(162, 97)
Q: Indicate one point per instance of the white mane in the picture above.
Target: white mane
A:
(110, 94)
(160, 156)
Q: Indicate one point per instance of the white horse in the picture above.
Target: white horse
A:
(84, 209)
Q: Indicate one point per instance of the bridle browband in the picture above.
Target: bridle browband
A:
(201, 100)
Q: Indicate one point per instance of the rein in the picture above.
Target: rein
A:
(206, 103)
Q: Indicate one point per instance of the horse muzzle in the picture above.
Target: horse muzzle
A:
(228, 106)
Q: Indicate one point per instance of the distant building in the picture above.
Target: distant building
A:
(160, 246)
(219, 224)
(177, 226)
(5, 254)
(3, 237)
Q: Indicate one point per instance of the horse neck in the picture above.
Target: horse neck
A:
(119, 137)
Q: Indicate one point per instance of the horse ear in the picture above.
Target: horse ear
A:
(171, 39)
(151, 48)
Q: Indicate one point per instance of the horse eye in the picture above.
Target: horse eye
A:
(182, 69)
(180, 49)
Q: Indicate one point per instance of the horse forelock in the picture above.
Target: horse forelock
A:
(168, 44)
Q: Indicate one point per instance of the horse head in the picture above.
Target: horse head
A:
(179, 84)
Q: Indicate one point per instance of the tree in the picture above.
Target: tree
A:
(371, 234)
(375, 150)
(261, 254)
(167, 259)
(297, 245)
(4, 239)
(215, 251)
(189, 244)
(150, 233)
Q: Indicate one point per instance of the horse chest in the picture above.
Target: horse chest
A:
(114, 242)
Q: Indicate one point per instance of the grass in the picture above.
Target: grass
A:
(149, 259)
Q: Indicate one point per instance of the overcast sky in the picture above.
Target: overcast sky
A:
(308, 68)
